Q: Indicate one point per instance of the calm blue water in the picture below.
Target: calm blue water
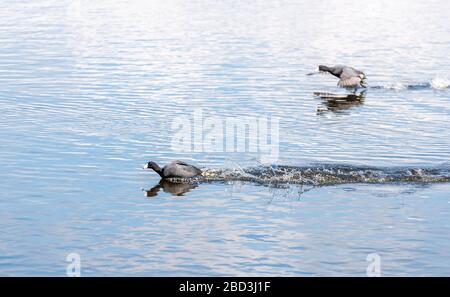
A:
(90, 91)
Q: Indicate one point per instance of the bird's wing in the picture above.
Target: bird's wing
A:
(348, 72)
(186, 167)
(349, 82)
(179, 162)
(349, 77)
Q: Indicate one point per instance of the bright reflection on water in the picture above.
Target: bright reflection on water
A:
(88, 93)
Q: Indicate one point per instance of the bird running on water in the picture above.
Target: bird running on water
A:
(175, 169)
(349, 77)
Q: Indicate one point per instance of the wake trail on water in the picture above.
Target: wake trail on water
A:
(326, 175)
(435, 83)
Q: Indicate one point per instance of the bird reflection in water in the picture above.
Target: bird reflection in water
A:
(339, 102)
(174, 188)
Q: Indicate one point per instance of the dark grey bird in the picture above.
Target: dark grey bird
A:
(175, 169)
(349, 77)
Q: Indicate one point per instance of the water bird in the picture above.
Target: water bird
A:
(349, 77)
(175, 169)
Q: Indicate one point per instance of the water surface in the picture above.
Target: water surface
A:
(89, 91)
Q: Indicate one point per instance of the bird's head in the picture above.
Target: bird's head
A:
(151, 165)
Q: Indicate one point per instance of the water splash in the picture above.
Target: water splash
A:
(437, 83)
(440, 83)
(326, 175)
